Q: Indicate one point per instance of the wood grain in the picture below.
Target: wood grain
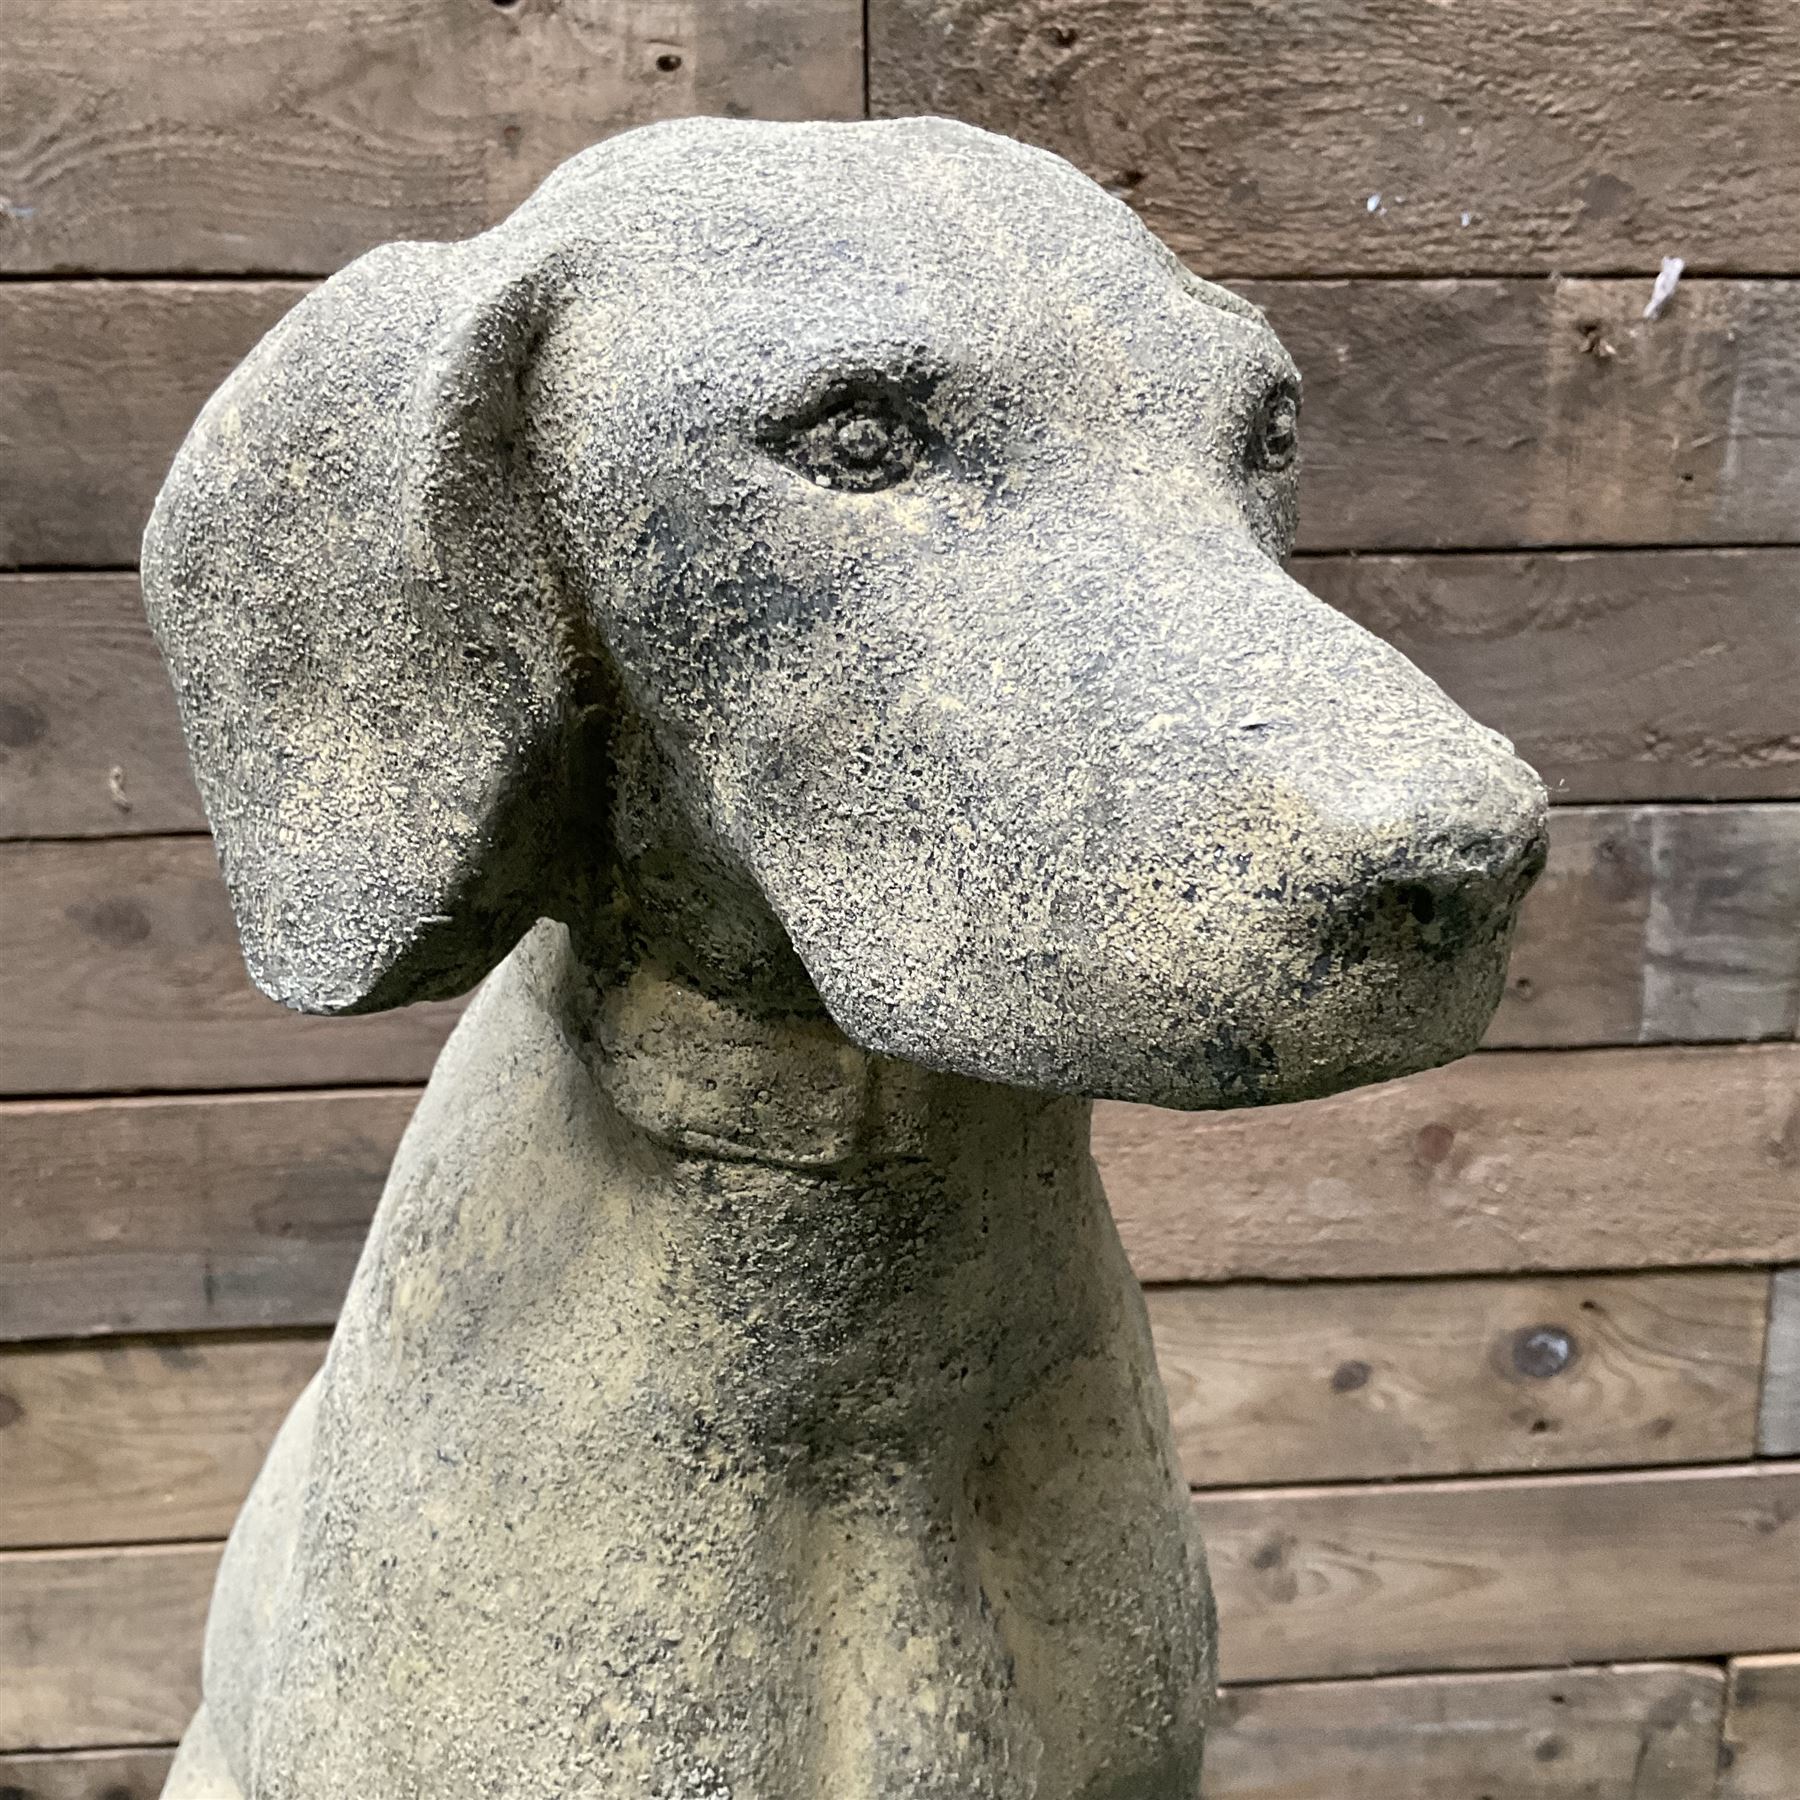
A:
(89, 742)
(193, 1214)
(1762, 1730)
(1672, 924)
(140, 1442)
(1508, 1572)
(132, 1443)
(1473, 414)
(144, 138)
(128, 975)
(1778, 1430)
(1364, 1381)
(85, 1775)
(1439, 415)
(1637, 1732)
(101, 1647)
(1603, 1159)
(99, 381)
(1492, 138)
(1634, 675)
(1479, 414)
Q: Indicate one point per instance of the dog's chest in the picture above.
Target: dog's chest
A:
(632, 1446)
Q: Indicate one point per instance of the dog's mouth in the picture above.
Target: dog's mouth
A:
(1218, 1001)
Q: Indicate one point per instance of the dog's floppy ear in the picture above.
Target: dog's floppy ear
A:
(374, 668)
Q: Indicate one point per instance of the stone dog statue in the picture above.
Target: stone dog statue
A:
(804, 601)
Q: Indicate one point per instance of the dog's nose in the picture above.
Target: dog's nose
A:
(1442, 815)
(1506, 862)
(1448, 889)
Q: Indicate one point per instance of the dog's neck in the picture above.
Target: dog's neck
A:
(775, 1136)
(737, 1205)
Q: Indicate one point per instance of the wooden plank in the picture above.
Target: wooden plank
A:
(89, 742)
(85, 1775)
(1634, 1732)
(1601, 1159)
(125, 973)
(1722, 931)
(1515, 1571)
(1479, 414)
(143, 138)
(1650, 925)
(99, 382)
(101, 1647)
(1577, 969)
(132, 1443)
(1681, 436)
(221, 1211)
(211, 1213)
(1670, 924)
(1762, 1730)
(140, 1442)
(1359, 135)
(1778, 1429)
(1633, 675)
(1364, 1381)
(1637, 1732)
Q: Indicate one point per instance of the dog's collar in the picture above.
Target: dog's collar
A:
(709, 1078)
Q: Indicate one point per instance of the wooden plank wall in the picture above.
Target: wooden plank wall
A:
(1488, 1382)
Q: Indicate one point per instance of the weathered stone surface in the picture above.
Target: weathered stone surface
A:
(828, 575)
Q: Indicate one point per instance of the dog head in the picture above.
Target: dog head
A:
(834, 560)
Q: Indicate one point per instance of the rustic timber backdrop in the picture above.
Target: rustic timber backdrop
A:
(1489, 1381)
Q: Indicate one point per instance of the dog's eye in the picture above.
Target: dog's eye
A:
(1275, 431)
(858, 442)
